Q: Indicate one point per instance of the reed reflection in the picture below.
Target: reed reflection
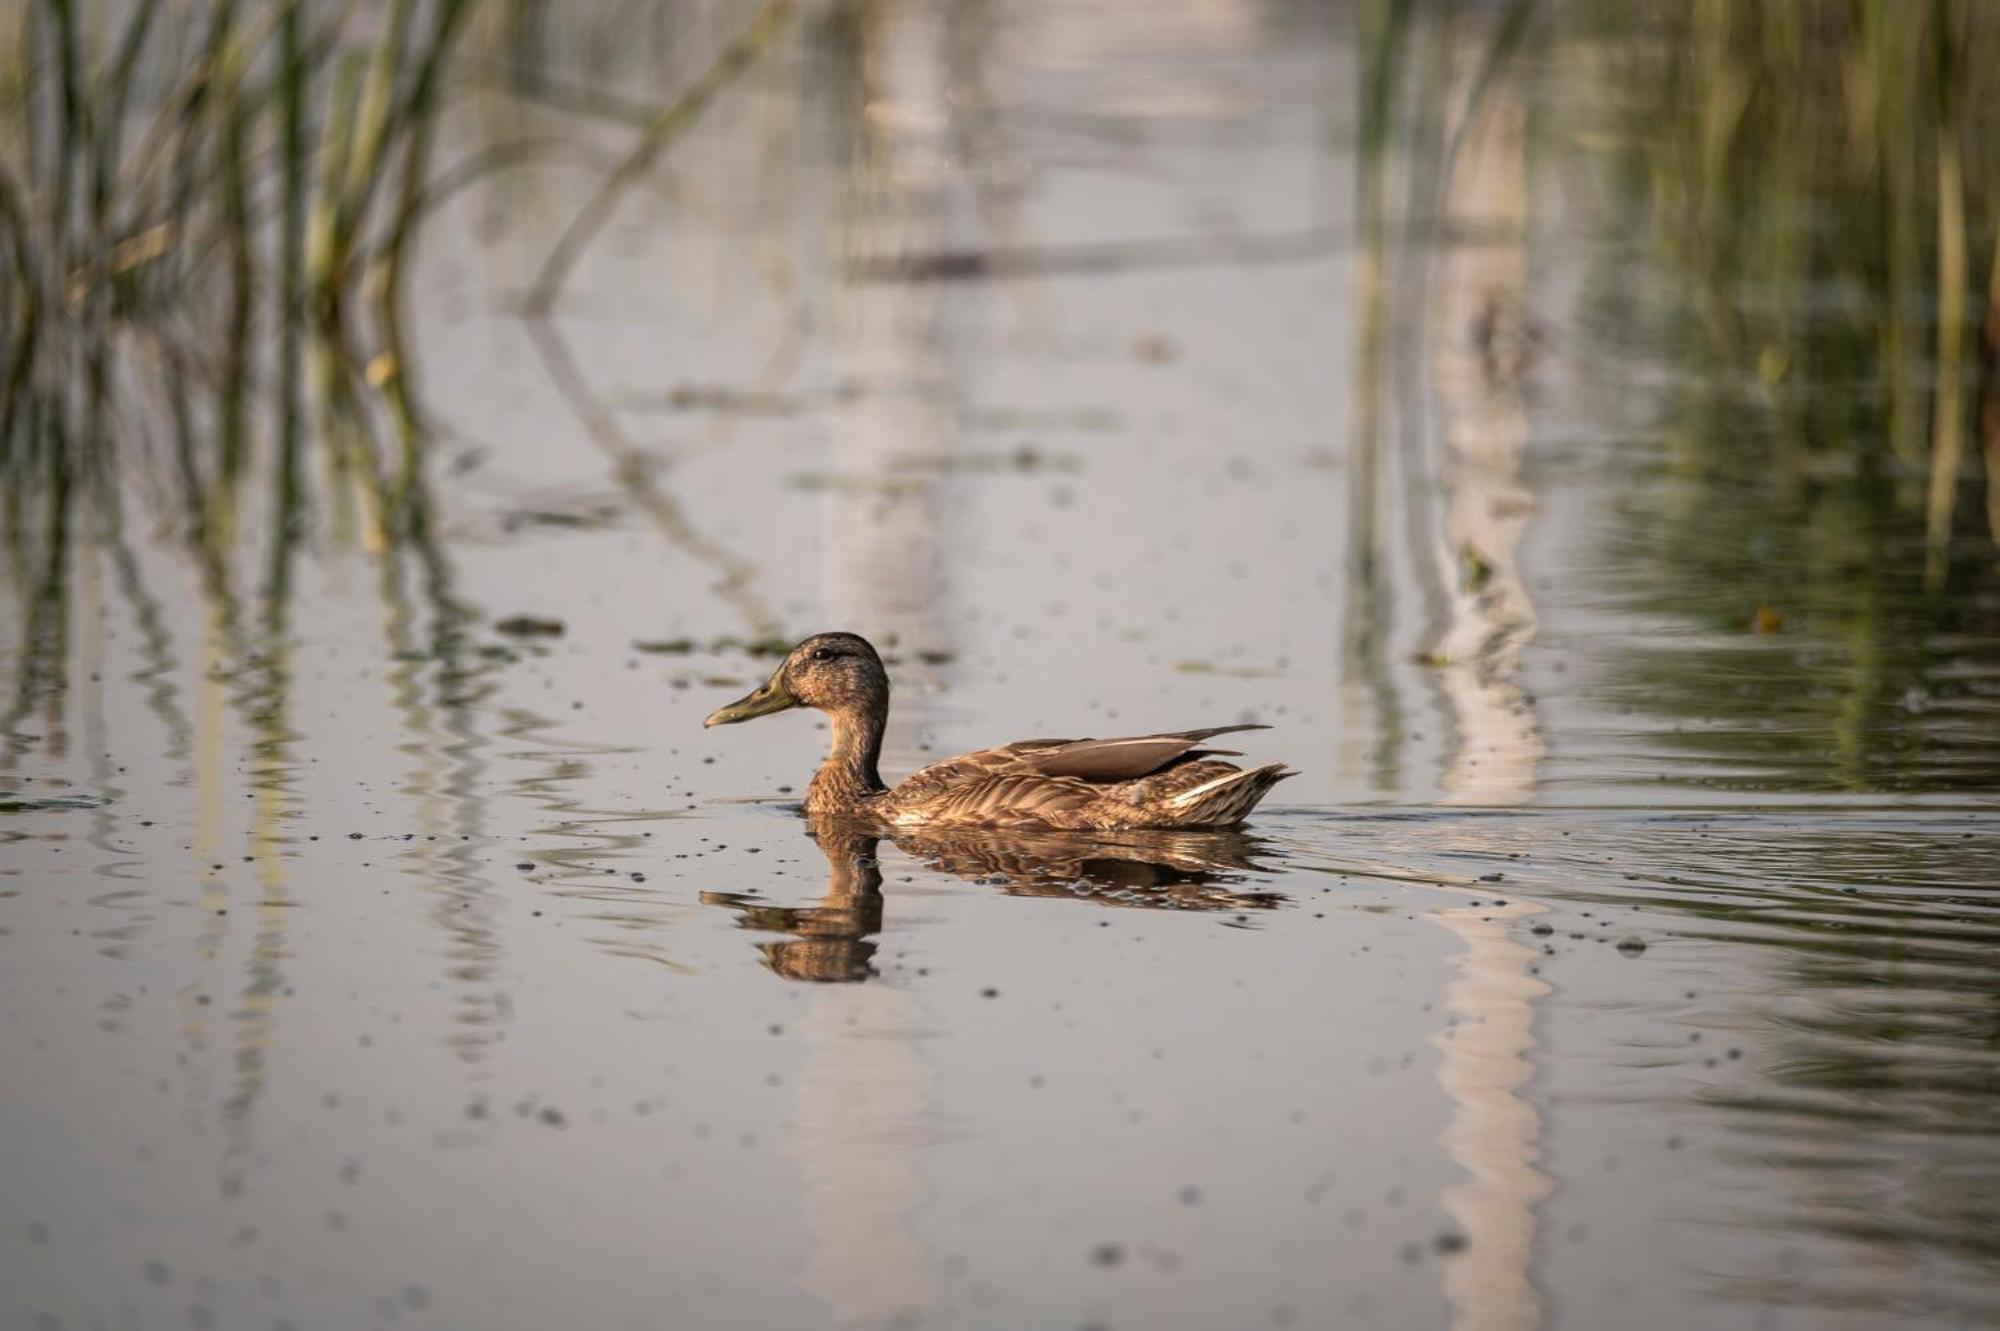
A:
(833, 941)
(1870, 1056)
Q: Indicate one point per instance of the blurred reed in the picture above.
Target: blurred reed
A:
(1815, 187)
(207, 217)
(1826, 178)
(196, 202)
(208, 212)
(1790, 219)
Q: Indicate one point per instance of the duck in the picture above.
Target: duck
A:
(1132, 783)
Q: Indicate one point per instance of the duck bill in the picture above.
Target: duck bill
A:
(768, 697)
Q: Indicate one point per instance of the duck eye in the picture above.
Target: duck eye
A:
(823, 654)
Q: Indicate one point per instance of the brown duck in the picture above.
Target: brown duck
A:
(1142, 781)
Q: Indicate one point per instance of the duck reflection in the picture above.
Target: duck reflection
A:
(833, 940)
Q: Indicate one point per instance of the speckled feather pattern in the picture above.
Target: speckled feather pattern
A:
(1007, 786)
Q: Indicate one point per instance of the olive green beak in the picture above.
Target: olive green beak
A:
(768, 697)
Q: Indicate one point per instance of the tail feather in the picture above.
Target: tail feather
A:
(1226, 800)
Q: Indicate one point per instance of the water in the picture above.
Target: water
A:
(1621, 956)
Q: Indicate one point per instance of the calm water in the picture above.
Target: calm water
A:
(1622, 957)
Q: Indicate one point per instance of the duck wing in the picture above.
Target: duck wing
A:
(1092, 760)
(1057, 782)
(1126, 759)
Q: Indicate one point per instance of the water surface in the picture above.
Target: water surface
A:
(383, 941)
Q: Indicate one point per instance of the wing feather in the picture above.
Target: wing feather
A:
(1124, 759)
(1063, 783)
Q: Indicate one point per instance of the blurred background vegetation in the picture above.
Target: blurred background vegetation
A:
(208, 211)
(1823, 176)
(1821, 185)
(1788, 337)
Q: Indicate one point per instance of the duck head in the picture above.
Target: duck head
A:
(832, 672)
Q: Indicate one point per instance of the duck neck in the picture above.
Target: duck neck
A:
(849, 773)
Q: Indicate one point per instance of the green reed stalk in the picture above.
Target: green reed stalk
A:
(113, 91)
(322, 264)
(74, 142)
(419, 116)
(374, 131)
(26, 318)
(233, 151)
(1947, 412)
(294, 77)
(1989, 415)
(1889, 56)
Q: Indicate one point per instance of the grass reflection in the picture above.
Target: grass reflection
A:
(189, 220)
(1803, 206)
(208, 215)
(1874, 1043)
(205, 213)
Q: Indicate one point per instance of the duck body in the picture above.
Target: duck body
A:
(1107, 785)
(1167, 780)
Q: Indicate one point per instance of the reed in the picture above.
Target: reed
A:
(1781, 152)
(208, 213)
(1792, 211)
(1819, 184)
(160, 225)
(190, 197)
